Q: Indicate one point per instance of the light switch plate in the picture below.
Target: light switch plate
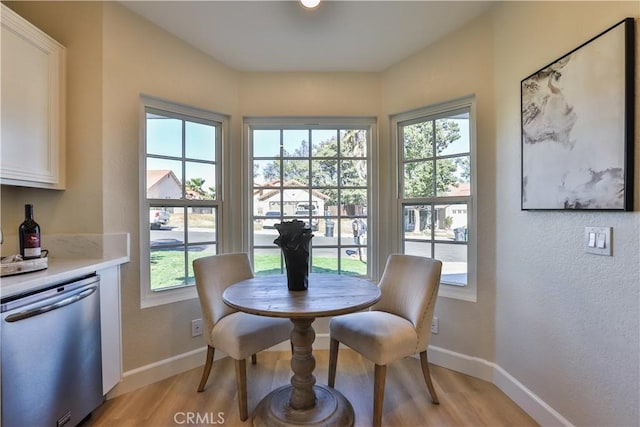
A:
(602, 235)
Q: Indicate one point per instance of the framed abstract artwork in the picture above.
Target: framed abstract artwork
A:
(577, 123)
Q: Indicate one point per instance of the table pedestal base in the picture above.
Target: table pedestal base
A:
(331, 409)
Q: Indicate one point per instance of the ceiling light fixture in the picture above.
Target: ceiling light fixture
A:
(310, 4)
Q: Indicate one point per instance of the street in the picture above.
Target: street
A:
(322, 246)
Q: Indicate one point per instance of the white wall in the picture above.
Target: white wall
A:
(567, 323)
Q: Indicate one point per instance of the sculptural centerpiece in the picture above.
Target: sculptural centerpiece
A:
(294, 241)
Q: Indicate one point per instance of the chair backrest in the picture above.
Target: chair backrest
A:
(213, 275)
(409, 287)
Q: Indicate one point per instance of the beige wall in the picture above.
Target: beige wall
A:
(112, 57)
(310, 94)
(458, 66)
(78, 209)
(564, 324)
(139, 58)
(567, 323)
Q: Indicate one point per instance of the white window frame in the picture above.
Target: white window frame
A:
(468, 292)
(149, 298)
(373, 212)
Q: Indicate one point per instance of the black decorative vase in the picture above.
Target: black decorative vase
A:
(294, 241)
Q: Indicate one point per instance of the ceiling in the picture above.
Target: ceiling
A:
(339, 35)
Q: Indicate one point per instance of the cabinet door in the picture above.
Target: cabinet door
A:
(32, 139)
(110, 324)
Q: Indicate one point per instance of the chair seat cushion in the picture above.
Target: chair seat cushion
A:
(379, 336)
(241, 334)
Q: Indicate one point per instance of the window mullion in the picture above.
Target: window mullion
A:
(281, 185)
(184, 163)
(434, 147)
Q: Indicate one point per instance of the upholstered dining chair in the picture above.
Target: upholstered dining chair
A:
(397, 326)
(238, 334)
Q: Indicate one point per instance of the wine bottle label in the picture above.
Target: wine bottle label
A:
(32, 245)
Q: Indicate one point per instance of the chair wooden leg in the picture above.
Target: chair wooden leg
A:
(254, 359)
(207, 368)
(378, 393)
(427, 377)
(241, 385)
(333, 361)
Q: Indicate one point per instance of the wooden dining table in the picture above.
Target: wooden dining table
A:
(303, 402)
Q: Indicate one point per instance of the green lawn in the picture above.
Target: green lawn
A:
(270, 264)
(167, 267)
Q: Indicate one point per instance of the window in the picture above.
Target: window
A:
(180, 172)
(435, 147)
(318, 174)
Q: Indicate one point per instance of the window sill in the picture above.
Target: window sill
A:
(150, 299)
(464, 293)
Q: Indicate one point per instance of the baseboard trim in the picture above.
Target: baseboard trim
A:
(477, 367)
(158, 371)
(469, 365)
(531, 403)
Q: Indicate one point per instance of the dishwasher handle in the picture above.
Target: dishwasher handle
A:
(51, 306)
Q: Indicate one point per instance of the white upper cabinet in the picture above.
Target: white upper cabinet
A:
(32, 144)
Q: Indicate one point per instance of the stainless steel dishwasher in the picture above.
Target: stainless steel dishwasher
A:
(51, 355)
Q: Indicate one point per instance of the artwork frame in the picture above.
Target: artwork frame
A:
(577, 127)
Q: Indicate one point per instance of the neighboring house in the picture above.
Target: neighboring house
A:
(458, 213)
(267, 198)
(163, 184)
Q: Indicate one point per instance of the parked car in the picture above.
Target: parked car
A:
(272, 218)
(304, 214)
(158, 218)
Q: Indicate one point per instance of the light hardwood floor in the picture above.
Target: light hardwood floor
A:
(464, 400)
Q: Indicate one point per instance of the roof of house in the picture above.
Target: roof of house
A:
(463, 189)
(155, 175)
(272, 188)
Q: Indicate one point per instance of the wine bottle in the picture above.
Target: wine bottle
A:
(29, 233)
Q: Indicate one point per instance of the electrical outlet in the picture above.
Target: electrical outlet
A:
(434, 326)
(196, 327)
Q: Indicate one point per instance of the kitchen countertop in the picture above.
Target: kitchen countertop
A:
(89, 254)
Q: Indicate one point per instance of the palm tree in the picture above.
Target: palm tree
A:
(195, 185)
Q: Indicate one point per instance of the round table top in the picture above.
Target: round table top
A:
(327, 295)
